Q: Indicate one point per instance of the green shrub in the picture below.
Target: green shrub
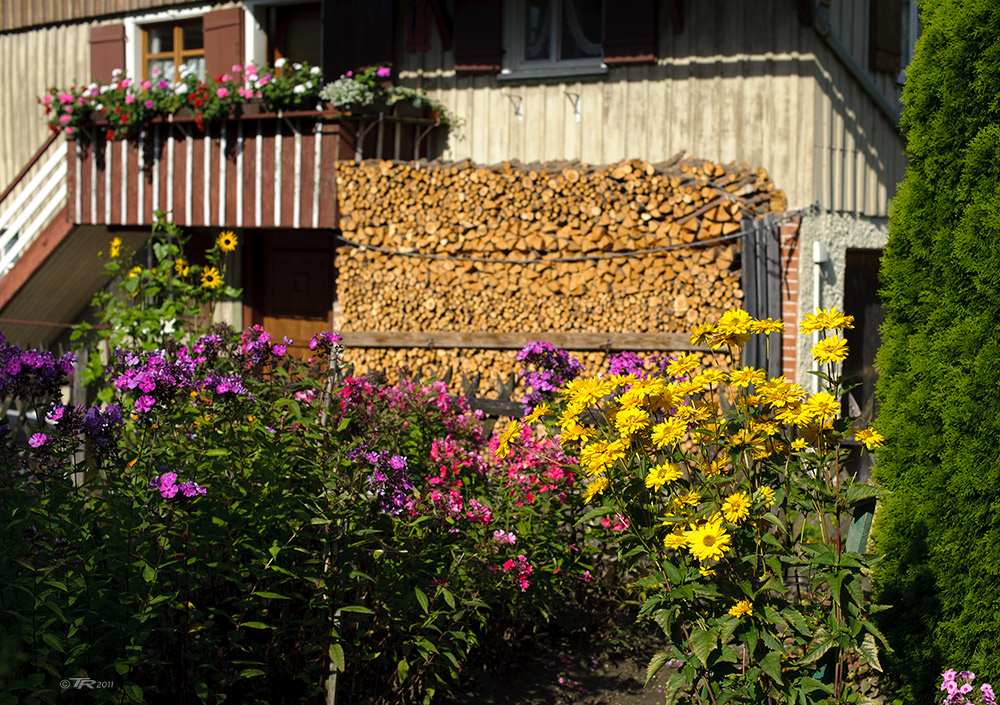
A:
(940, 359)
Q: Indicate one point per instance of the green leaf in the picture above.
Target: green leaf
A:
(133, 691)
(250, 673)
(216, 452)
(337, 657)
(664, 618)
(448, 597)
(148, 574)
(655, 664)
(402, 670)
(870, 652)
(594, 514)
(675, 685)
(771, 665)
(360, 609)
(821, 643)
(860, 491)
(257, 625)
(422, 599)
(729, 625)
(702, 642)
(797, 621)
(808, 685)
(271, 595)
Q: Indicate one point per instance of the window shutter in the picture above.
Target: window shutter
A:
(107, 51)
(885, 35)
(356, 33)
(632, 36)
(223, 31)
(478, 36)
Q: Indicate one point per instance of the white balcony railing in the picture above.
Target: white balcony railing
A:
(28, 205)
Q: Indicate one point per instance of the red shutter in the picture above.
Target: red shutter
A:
(356, 33)
(885, 33)
(107, 50)
(631, 37)
(223, 31)
(478, 36)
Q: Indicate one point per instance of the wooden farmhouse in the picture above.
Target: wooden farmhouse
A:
(597, 146)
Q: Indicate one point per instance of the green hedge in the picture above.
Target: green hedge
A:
(940, 359)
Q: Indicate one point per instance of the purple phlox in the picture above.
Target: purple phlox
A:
(389, 480)
(32, 374)
(553, 369)
(324, 340)
(168, 487)
(37, 440)
(102, 426)
(626, 363)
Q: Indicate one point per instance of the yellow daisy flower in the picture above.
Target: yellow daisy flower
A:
(799, 444)
(830, 349)
(668, 432)
(631, 421)
(662, 474)
(227, 241)
(675, 540)
(134, 272)
(736, 507)
(503, 448)
(745, 376)
(537, 413)
(595, 488)
(870, 437)
(821, 405)
(182, 267)
(766, 494)
(707, 542)
(741, 608)
(115, 248)
(767, 325)
(734, 327)
(825, 319)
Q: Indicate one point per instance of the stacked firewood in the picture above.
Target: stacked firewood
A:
(539, 247)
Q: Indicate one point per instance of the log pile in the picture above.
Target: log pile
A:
(524, 247)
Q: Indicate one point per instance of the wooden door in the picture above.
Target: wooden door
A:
(292, 284)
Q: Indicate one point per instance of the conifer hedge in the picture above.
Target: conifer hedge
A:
(940, 360)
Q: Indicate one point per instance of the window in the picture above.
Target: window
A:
(547, 35)
(169, 45)
(293, 32)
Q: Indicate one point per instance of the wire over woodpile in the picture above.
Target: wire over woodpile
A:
(560, 246)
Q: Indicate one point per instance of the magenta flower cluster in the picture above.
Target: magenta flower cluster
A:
(552, 369)
(166, 485)
(31, 374)
(520, 569)
(961, 691)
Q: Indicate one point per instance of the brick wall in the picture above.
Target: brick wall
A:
(790, 294)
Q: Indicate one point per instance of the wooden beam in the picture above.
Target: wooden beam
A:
(647, 342)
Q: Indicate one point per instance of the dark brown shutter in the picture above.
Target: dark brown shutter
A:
(107, 50)
(356, 33)
(631, 36)
(885, 35)
(478, 36)
(223, 31)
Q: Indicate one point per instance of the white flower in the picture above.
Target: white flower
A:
(168, 327)
(181, 89)
(308, 84)
(116, 73)
(299, 89)
(105, 89)
(280, 62)
(92, 87)
(297, 67)
(99, 106)
(315, 70)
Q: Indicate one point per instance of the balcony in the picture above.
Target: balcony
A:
(268, 171)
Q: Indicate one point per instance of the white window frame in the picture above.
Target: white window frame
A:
(133, 33)
(255, 37)
(515, 66)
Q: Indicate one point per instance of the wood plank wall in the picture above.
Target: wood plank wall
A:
(743, 82)
(18, 14)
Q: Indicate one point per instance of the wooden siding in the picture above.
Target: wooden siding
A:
(19, 14)
(743, 82)
(31, 63)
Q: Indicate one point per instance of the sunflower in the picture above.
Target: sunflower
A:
(210, 278)
(116, 247)
(181, 266)
(227, 241)
(707, 542)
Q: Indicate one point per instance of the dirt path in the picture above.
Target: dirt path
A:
(567, 670)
